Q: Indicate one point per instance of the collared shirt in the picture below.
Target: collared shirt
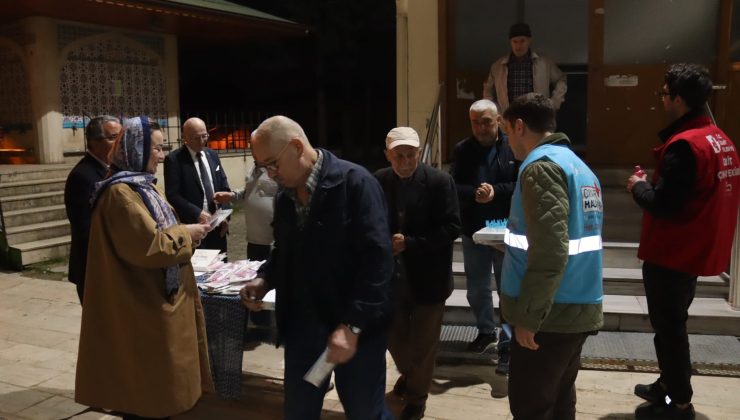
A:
(105, 165)
(194, 156)
(311, 183)
(521, 77)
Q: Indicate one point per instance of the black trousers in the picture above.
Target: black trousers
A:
(256, 252)
(214, 240)
(542, 382)
(669, 294)
(80, 291)
(263, 319)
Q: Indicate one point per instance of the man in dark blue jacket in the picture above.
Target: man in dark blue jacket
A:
(424, 219)
(485, 173)
(331, 268)
(100, 133)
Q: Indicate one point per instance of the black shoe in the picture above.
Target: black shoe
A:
(483, 342)
(400, 387)
(413, 411)
(654, 392)
(503, 363)
(665, 411)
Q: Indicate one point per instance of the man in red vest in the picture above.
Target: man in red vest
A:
(690, 211)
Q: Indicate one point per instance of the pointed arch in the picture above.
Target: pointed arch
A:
(15, 96)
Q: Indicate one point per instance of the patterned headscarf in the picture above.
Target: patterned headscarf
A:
(131, 151)
(129, 159)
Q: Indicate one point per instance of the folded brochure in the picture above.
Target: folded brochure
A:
(219, 216)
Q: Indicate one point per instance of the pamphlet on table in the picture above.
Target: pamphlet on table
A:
(228, 278)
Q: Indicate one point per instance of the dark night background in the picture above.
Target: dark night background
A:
(338, 82)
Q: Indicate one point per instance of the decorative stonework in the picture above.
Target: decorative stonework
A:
(67, 33)
(111, 76)
(15, 97)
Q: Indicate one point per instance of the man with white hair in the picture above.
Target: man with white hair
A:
(331, 267)
(424, 219)
(485, 173)
(101, 133)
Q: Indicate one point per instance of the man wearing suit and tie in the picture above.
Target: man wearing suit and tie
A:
(193, 174)
(100, 133)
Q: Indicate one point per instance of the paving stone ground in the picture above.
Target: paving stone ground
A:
(39, 331)
(39, 327)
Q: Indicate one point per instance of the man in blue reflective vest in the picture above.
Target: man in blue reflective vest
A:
(552, 274)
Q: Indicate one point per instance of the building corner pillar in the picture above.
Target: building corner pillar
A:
(43, 73)
(734, 295)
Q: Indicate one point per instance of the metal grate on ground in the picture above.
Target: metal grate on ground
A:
(453, 342)
(711, 355)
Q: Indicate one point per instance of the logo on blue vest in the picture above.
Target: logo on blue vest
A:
(591, 196)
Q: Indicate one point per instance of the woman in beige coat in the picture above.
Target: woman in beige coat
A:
(143, 345)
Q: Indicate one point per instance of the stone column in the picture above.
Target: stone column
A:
(172, 84)
(417, 56)
(734, 297)
(43, 76)
(402, 63)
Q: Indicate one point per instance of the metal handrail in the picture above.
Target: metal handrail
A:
(431, 153)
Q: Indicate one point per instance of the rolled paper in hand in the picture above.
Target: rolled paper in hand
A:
(319, 371)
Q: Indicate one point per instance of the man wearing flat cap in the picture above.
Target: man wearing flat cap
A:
(424, 221)
(523, 71)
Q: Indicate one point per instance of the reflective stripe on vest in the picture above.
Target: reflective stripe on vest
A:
(575, 246)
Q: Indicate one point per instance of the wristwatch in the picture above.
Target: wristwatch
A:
(353, 329)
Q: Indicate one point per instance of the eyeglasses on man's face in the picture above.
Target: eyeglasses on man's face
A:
(111, 137)
(201, 137)
(272, 164)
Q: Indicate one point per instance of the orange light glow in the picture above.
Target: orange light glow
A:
(13, 153)
(238, 139)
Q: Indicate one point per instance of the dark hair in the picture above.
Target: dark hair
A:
(689, 81)
(94, 130)
(535, 110)
(154, 126)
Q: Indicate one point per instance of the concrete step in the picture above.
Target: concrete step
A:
(29, 201)
(622, 217)
(37, 231)
(616, 254)
(622, 254)
(26, 253)
(623, 281)
(21, 173)
(31, 187)
(626, 313)
(628, 282)
(16, 218)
